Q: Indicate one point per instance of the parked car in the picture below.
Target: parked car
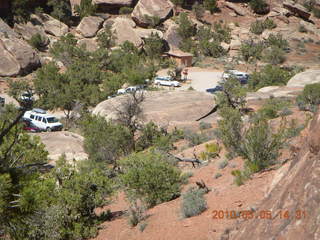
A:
(27, 96)
(215, 89)
(130, 89)
(40, 119)
(166, 81)
(241, 76)
(29, 126)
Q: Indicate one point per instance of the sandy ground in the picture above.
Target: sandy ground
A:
(200, 80)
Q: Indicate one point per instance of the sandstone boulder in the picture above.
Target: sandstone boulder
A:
(90, 44)
(173, 108)
(51, 25)
(146, 33)
(304, 78)
(171, 35)
(8, 64)
(73, 3)
(117, 3)
(297, 9)
(28, 30)
(17, 56)
(237, 9)
(124, 31)
(67, 143)
(89, 26)
(23, 53)
(152, 8)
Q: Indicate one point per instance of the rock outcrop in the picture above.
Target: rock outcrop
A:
(294, 201)
(17, 56)
(50, 25)
(100, 3)
(89, 26)
(297, 9)
(90, 44)
(124, 30)
(171, 35)
(237, 9)
(304, 78)
(28, 30)
(173, 108)
(161, 9)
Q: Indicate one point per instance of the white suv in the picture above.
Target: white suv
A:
(166, 81)
(42, 120)
(241, 76)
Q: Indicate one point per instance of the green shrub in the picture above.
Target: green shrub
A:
(194, 138)
(185, 177)
(210, 5)
(257, 27)
(272, 108)
(239, 177)
(259, 6)
(274, 56)
(251, 51)
(223, 164)
(125, 10)
(136, 214)
(217, 175)
(269, 24)
(316, 12)
(260, 146)
(186, 28)
(193, 203)
(204, 125)
(37, 41)
(142, 226)
(152, 21)
(310, 97)
(150, 177)
(270, 76)
(198, 10)
(277, 41)
(86, 8)
(105, 38)
(221, 32)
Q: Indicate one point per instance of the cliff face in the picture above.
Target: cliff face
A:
(297, 193)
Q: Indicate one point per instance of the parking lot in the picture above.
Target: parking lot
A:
(200, 80)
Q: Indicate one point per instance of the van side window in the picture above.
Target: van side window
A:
(40, 118)
(44, 120)
(37, 118)
(32, 116)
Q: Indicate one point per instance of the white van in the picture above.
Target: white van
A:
(42, 120)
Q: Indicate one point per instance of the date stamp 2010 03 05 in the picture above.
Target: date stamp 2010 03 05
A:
(261, 214)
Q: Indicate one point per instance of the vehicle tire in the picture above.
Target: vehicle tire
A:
(49, 129)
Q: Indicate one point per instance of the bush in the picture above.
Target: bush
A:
(257, 27)
(193, 203)
(270, 76)
(204, 125)
(185, 177)
(260, 146)
(277, 41)
(316, 12)
(198, 10)
(37, 41)
(152, 21)
(136, 214)
(239, 177)
(150, 177)
(272, 108)
(125, 10)
(86, 8)
(217, 175)
(186, 28)
(210, 5)
(310, 97)
(274, 55)
(105, 38)
(251, 51)
(259, 6)
(223, 164)
(194, 138)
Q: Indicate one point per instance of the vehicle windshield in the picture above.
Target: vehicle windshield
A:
(52, 120)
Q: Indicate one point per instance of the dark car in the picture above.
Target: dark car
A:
(29, 127)
(215, 89)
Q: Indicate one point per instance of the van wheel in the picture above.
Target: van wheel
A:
(49, 129)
